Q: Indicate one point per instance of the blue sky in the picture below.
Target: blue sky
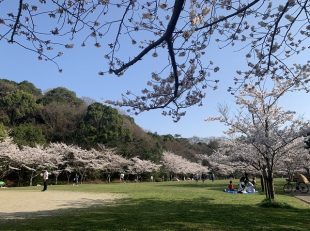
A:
(80, 74)
(80, 68)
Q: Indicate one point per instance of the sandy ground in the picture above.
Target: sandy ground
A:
(303, 197)
(27, 203)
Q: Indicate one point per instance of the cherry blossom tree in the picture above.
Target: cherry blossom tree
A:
(174, 164)
(264, 125)
(223, 160)
(56, 160)
(35, 160)
(236, 155)
(296, 158)
(113, 163)
(8, 151)
(138, 167)
(271, 34)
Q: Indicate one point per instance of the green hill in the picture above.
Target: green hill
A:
(58, 115)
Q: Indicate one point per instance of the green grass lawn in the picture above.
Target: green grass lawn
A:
(171, 206)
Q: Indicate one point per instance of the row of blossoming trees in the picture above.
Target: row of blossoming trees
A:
(65, 160)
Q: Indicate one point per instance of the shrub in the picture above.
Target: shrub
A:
(266, 203)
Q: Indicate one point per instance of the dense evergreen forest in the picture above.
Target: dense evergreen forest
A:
(32, 117)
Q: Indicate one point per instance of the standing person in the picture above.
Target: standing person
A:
(45, 179)
(76, 179)
(253, 181)
(212, 176)
(203, 177)
(122, 177)
(196, 177)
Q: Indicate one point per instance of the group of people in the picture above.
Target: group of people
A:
(245, 185)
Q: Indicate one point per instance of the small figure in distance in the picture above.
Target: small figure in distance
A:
(230, 187)
(203, 177)
(212, 176)
(196, 177)
(122, 177)
(76, 179)
(253, 181)
(45, 179)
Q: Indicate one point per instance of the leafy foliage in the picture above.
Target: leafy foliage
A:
(101, 124)
(27, 135)
(61, 120)
(19, 106)
(60, 95)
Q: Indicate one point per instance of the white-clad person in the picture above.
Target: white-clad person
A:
(45, 179)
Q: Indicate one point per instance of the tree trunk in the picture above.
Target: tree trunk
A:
(268, 184)
(68, 177)
(262, 183)
(82, 174)
(19, 179)
(31, 177)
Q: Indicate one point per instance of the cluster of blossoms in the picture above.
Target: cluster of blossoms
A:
(178, 165)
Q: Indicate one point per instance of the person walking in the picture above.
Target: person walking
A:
(45, 179)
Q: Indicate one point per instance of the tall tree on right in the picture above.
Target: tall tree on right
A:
(264, 125)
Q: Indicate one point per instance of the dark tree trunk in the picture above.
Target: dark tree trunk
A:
(268, 184)
(56, 178)
(262, 183)
(68, 177)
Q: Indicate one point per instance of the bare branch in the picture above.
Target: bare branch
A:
(17, 21)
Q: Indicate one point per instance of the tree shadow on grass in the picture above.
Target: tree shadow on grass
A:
(153, 214)
(217, 187)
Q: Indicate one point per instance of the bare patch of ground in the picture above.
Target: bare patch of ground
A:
(303, 197)
(15, 204)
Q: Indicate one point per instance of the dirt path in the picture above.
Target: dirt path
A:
(15, 204)
(305, 198)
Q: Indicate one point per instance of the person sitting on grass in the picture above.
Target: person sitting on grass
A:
(250, 188)
(230, 187)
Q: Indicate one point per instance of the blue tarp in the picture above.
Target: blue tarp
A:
(236, 191)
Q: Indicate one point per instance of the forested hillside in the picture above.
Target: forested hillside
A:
(32, 117)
